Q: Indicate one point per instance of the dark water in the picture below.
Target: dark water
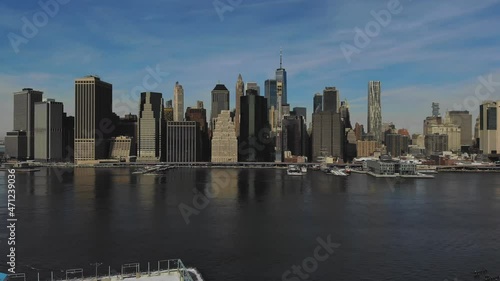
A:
(258, 224)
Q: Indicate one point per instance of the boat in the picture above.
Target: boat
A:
(337, 172)
(303, 169)
(346, 170)
(293, 171)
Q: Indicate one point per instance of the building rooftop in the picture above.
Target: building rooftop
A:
(220, 87)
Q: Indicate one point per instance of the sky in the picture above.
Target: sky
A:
(421, 51)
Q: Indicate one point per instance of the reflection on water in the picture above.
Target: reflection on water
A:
(259, 222)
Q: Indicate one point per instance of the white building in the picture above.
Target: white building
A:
(224, 141)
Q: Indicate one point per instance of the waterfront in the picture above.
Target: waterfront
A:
(260, 222)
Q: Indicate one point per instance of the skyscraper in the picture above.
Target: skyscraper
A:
(295, 135)
(435, 109)
(318, 103)
(281, 78)
(49, 130)
(375, 110)
(149, 146)
(271, 93)
(464, 120)
(93, 118)
(178, 102)
(239, 93)
(331, 99)
(224, 141)
(199, 115)
(220, 101)
(183, 141)
(254, 143)
(489, 121)
(24, 116)
(328, 135)
(253, 85)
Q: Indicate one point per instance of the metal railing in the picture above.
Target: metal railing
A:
(164, 266)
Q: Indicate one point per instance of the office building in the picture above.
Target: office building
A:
(281, 79)
(375, 110)
(462, 119)
(317, 103)
(178, 102)
(68, 138)
(220, 101)
(489, 120)
(183, 143)
(255, 143)
(254, 86)
(435, 110)
(224, 141)
(199, 115)
(239, 93)
(300, 111)
(16, 145)
(49, 142)
(121, 148)
(151, 120)
(271, 93)
(359, 130)
(331, 99)
(24, 116)
(295, 135)
(93, 118)
(328, 135)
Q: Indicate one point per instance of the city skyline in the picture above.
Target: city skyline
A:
(312, 62)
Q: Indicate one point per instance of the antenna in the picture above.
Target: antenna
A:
(281, 57)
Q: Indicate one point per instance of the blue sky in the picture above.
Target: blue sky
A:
(429, 51)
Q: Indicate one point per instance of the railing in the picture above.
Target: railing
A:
(164, 266)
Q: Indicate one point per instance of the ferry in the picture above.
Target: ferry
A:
(337, 172)
(293, 171)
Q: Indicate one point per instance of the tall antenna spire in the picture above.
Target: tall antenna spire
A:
(281, 57)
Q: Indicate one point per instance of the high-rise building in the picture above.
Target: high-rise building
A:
(435, 109)
(463, 119)
(16, 145)
(366, 148)
(151, 120)
(128, 127)
(295, 135)
(436, 125)
(281, 78)
(255, 143)
(396, 144)
(436, 143)
(300, 111)
(199, 115)
(345, 114)
(68, 138)
(24, 116)
(331, 99)
(271, 93)
(253, 85)
(318, 103)
(183, 142)
(328, 135)
(49, 130)
(489, 121)
(224, 141)
(375, 110)
(220, 101)
(178, 102)
(239, 93)
(169, 104)
(359, 130)
(93, 118)
(121, 148)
